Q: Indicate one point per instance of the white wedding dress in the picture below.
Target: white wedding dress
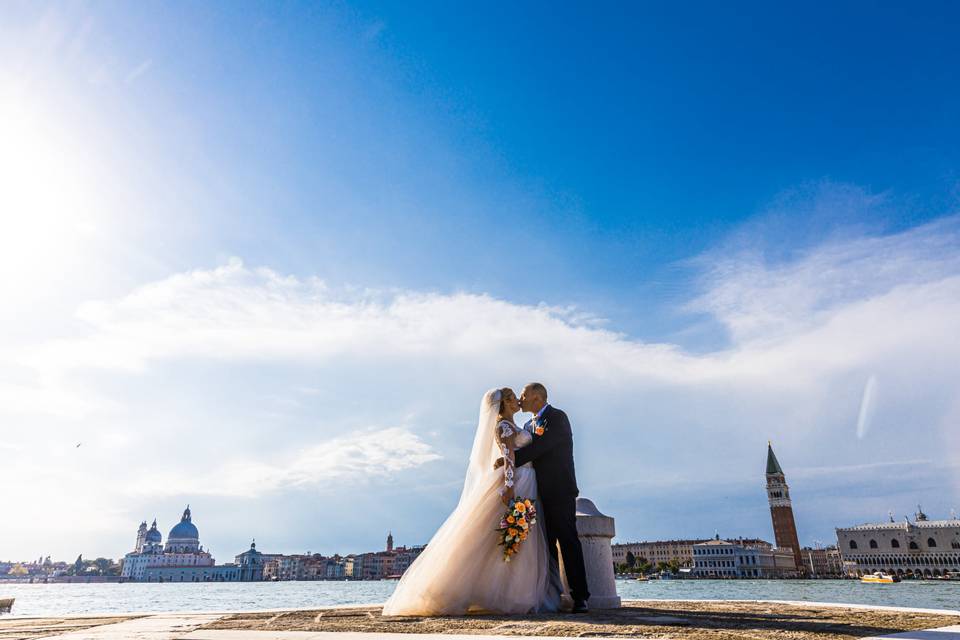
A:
(462, 570)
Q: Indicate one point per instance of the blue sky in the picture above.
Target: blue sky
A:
(270, 237)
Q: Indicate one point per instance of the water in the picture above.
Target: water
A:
(65, 599)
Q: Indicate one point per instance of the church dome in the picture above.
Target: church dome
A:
(185, 529)
(153, 535)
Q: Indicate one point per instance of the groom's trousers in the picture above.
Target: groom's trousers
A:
(560, 526)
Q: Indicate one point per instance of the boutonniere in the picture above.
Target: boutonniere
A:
(539, 427)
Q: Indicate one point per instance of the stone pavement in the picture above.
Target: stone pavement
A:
(943, 633)
(655, 620)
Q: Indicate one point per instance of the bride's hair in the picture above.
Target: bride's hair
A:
(503, 398)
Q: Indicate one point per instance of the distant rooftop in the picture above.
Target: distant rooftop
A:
(920, 524)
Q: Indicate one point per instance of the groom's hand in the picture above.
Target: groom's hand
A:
(498, 463)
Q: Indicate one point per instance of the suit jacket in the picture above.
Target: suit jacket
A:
(552, 457)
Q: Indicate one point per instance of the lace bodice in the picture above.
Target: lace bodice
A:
(505, 430)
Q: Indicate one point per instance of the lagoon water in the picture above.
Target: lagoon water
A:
(66, 599)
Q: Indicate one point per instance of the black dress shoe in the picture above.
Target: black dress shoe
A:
(580, 606)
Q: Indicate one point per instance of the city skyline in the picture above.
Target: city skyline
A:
(618, 541)
(266, 260)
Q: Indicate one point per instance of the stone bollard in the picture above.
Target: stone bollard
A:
(596, 531)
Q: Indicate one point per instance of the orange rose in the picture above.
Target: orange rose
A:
(511, 519)
(527, 503)
(538, 431)
(522, 522)
(520, 507)
(523, 535)
(512, 532)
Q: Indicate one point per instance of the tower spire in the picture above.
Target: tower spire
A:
(773, 465)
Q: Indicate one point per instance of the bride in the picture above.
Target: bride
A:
(462, 570)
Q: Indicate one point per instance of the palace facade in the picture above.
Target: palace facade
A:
(922, 548)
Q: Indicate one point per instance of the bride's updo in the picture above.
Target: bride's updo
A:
(505, 394)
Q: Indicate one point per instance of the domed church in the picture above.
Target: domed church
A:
(182, 551)
(184, 537)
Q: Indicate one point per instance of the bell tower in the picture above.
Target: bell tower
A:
(141, 537)
(781, 509)
(390, 541)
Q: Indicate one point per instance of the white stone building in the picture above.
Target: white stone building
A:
(664, 550)
(182, 549)
(656, 551)
(739, 559)
(922, 548)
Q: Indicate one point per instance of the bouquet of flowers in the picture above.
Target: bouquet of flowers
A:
(515, 525)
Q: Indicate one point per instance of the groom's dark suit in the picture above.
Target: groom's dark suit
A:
(552, 457)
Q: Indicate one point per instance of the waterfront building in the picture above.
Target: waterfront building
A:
(291, 567)
(314, 567)
(656, 551)
(405, 558)
(336, 568)
(271, 566)
(182, 558)
(378, 565)
(741, 559)
(822, 563)
(664, 551)
(781, 509)
(922, 548)
(182, 549)
(250, 563)
(174, 573)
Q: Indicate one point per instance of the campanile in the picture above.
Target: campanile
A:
(781, 509)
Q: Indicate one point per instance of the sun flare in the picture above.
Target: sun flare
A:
(46, 200)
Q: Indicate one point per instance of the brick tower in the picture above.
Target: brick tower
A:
(781, 509)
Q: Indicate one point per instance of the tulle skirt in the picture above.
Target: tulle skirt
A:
(462, 569)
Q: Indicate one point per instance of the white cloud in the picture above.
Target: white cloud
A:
(223, 374)
(355, 458)
(759, 296)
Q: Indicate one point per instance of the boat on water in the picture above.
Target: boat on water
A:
(879, 577)
(6, 604)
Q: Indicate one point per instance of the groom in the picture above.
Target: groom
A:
(552, 455)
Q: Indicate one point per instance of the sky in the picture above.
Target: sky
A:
(265, 258)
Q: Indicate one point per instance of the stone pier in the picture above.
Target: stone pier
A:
(596, 533)
(677, 620)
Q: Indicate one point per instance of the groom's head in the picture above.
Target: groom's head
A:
(533, 397)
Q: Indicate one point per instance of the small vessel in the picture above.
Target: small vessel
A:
(643, 579)
(6, 604)
(879, 577)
